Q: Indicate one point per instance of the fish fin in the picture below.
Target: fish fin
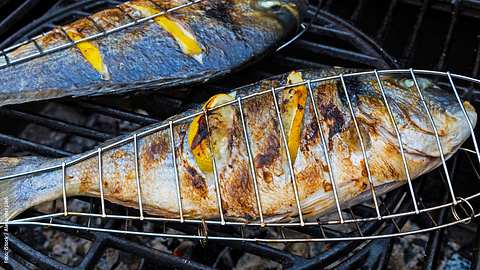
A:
(19, 193)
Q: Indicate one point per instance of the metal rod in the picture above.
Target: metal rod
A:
(362, 145)
(247, 239)
(250, 160)
(290, 165)
(469, 122)
(214, 166)
(326, 153)
(442, 156)
(177, 179)
(400, 142)
(100, 180)
(137, 176)
(64, 190)
(356, 223)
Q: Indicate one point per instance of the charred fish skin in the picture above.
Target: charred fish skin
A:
(193, 44)
(213, 164)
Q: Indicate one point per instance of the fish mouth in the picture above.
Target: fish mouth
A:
(288, 12)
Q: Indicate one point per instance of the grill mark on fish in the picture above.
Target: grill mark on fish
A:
(270, 154)
(201, 134)
(219, 11)
(110, 18)
(331, 115)
(236, 183)
(154, 151)
(193, 177)
(237, 190)
(192, 181)
(177, 29)
(310, 138)
(310, 179)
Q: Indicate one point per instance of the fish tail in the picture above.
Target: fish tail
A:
(20, 190)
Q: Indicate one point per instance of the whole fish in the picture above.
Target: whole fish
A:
(191, 44)
(210, 149)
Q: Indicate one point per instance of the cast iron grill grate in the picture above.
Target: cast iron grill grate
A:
(359, 51)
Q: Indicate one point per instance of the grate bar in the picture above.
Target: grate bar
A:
(358, 11)
(26, 145)
(448, 39)
(57, 124)
(330, 32)
(409, 50)
(116, 113)
(387, 22)
(336, 52)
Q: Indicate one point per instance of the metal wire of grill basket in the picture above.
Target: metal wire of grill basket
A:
(462, 207)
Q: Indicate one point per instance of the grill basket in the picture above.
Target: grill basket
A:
(461, 204)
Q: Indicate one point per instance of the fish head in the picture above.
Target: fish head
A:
(425, 114)
(288, 12)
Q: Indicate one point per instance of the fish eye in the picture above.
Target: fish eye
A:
(270, 4)
(407, 83)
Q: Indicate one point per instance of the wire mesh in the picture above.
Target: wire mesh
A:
(462, 207)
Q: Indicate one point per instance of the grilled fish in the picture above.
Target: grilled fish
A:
(197, 149)
(191, 44)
